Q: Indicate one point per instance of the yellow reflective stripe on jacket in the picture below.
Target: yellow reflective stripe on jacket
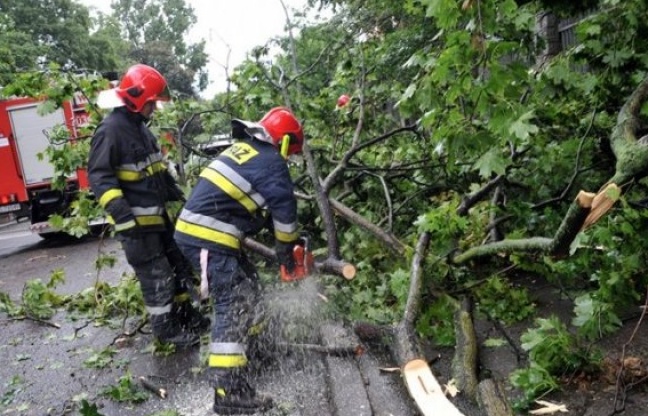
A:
(233, 184)
(109, 195)
(149, 220)
(229, 188)
(133, 172)
(209, 234)
(125, 225)
(227, 361)
(238, 181)
(129, 175)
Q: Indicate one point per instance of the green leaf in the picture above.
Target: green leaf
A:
(522, 128)
(491, 162)
(88, 409)
(583, 309)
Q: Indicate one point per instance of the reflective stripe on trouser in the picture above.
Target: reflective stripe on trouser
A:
(234, 289)
(147, 255)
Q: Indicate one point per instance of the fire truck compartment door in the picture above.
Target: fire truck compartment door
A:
(29, 127)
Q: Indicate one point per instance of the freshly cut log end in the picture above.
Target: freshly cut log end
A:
(585, 199)
(348, 271)
(426, 390)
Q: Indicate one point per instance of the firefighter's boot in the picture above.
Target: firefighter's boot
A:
(167, 330)
(233, 395)
(191, 318)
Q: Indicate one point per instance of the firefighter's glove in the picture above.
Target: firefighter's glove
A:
(285, 255)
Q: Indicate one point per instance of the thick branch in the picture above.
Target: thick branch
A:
(468, 201)
(631, 154)
(387, 238)
(534, 244)
(323, 203)
(574, 221)
(464, 361)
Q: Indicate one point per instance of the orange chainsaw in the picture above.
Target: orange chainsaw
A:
(304, 262)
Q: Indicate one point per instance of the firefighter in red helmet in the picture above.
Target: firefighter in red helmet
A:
(129, 178)
(225, 206)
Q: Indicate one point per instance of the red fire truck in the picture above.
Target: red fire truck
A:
(25, 180)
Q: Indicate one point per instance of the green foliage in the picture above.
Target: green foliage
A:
(436, 321)
(553, 351)
(66, 156)
(101, 359)
(82, 211)
(533, 381)
(105, 261)
(57, 31)
(593, 317)
(444, 225)
(126, 390)
(498, 299)
(8, 306)
(104, 301)
(39, 299)
(612, 272)
(156, 32)
(549, 345)
(11, 389)
(89, 409)
(370, 295)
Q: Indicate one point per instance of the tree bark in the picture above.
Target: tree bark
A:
(631, 154)
(464, 362)
(387, 238)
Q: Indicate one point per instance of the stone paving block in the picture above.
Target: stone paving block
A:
(346, 384)
(386, 391)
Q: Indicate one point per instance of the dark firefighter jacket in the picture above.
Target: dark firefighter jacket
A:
(128, 175)
(227, 202)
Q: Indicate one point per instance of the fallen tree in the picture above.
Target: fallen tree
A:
(586, 208)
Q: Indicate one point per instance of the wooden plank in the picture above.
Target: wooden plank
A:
(426, 390)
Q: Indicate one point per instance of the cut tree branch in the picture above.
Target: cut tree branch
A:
(329, 265)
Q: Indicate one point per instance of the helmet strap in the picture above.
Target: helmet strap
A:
(285, 143)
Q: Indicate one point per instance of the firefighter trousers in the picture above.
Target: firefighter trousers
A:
(165, 275)
(234, 290)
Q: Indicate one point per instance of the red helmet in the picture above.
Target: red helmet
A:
(142, 84)
(279, 122)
